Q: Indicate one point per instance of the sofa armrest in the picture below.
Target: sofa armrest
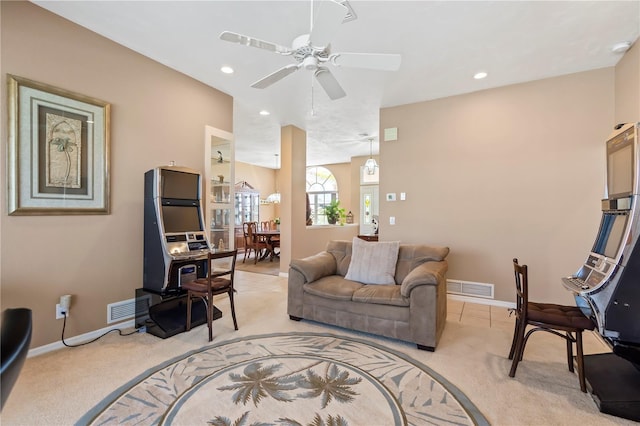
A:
(315, 267)
(428, 273)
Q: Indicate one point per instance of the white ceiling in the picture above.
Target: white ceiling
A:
(442, 43)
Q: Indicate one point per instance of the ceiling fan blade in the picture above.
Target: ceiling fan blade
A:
(374, 61)
(326, 22)
(275, 76)
(329, 84)
(254, 42)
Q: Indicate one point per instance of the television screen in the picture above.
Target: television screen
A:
(610, 235)
(179, 185)
(181, 219)
(620, 165)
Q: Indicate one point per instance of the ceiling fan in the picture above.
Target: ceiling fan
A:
(313, 51)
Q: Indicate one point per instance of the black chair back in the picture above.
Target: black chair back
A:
(16, 338)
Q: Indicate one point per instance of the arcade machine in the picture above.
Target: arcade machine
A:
(175, 250)
(607, 285)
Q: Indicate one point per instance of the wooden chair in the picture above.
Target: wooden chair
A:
(567, 322)
(219, 280)
(265, 225)
(252, 242)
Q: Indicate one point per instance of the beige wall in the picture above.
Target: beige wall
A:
(628, 86)
(158, 116)
(516, 171)
(459, 159)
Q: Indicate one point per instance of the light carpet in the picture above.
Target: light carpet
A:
(289, 379)
(60, 387)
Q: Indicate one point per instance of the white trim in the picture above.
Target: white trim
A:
(283, 274)
(481, 301)
(78, 339)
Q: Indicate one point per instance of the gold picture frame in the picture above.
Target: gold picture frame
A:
(58, 151)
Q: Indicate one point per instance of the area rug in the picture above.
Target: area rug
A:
(289, 379)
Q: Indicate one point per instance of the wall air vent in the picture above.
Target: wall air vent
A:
(120, 311)
(469, 288)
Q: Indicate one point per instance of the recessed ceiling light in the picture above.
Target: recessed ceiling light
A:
(226, 69)
(621, 47)
(264, 112)
(480, 75)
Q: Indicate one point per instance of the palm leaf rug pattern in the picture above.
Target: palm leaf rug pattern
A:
(299, 379)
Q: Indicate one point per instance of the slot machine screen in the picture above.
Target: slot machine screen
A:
(181, 219)
(610, 235)
(620, 165)
(179, 185)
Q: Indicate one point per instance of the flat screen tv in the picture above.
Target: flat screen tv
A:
(179, 185)
(181, 219)
(621, 164)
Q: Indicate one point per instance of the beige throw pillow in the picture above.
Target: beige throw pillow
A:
(373, 262)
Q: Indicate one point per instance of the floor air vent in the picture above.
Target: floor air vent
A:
(469, 288)
(120, 311)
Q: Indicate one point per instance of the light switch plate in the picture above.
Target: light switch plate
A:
(391, 196)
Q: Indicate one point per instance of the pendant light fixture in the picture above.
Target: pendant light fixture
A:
(370, 165)
(275, 197)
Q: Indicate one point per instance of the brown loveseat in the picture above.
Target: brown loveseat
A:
(413, 309)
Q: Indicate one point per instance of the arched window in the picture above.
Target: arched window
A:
(322, 188)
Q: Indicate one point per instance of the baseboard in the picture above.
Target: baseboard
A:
(283, 274)
(482, 301)
(78, 339)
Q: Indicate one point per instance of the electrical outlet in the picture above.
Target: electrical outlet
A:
(60, 311)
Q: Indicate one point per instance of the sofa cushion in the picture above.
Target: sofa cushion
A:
(373, 262)
(341, 251)
(316, 266)
(380, 295)
(410, 256)
(333, 287)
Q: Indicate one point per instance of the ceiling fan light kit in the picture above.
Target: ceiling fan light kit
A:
(312, 51)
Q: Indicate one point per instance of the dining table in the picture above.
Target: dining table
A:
(269, 236)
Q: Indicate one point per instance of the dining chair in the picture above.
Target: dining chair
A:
(265, 226)
(253, 242)
(564, 321)
(219, 280)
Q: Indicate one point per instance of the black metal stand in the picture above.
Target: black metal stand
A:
(614, 384)
(165, 315)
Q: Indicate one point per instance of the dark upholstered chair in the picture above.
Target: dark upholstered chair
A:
(16, 337)
(567, 322)
(219, 280)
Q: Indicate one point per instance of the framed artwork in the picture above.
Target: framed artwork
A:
(58, 151)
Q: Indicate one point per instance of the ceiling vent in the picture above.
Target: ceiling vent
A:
(351, 15)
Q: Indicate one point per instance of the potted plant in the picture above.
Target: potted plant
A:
(333, 211)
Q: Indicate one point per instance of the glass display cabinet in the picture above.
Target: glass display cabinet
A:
(247, 208)
(221, 196)
(247, 203)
